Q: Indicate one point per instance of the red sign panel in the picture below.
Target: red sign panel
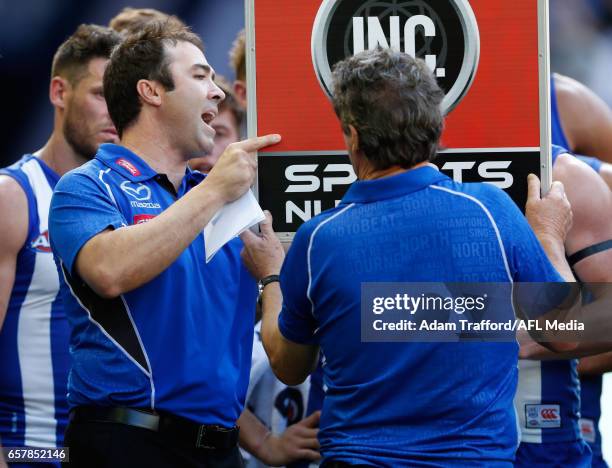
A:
(489, 49)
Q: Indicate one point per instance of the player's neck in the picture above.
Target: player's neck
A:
(59, 155)
(368, 173)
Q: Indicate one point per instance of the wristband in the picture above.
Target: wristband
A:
(268, 279)
(263, 283)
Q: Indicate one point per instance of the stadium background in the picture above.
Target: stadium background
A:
(31, 30)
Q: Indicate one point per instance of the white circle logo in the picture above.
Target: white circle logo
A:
(443, 33)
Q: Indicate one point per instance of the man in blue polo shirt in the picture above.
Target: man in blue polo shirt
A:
(399, 404)
(160, 340)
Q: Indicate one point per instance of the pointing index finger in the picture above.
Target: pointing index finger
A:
(257, 143)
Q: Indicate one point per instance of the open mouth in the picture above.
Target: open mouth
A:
(208, 117)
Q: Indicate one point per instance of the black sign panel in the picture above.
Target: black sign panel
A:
(300, 187)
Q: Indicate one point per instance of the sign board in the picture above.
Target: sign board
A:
(489, 56)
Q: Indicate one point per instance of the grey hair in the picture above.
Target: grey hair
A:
(393, 101)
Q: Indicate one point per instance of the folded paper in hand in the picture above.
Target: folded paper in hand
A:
(231, 221)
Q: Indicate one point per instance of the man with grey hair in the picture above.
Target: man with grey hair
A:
(401, 403)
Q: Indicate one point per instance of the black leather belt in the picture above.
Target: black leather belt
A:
(181, 430)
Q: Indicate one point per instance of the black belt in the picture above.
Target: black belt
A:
(181, 430)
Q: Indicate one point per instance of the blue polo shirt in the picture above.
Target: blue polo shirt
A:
(180, 343)
(410, 404)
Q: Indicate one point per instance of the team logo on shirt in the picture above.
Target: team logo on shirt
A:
(443, 33)
(138, 192)
(41, 243)
(128, 166)
(543, 416)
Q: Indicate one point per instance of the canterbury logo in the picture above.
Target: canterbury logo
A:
(138, 192)
(549, 414)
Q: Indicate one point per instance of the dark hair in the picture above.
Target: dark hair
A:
(133, 20)
(141, 56)
(230, 103)
(89, 41)
(393, 101)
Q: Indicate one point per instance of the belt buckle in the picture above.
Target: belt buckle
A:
(201, 435)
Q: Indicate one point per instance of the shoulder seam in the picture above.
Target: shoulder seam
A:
(309, 252)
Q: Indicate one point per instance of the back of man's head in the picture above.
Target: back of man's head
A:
(142, 56)
(89, 41)
(393, 101)
(133, 20)
(238, 56)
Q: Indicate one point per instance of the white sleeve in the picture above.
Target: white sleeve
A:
(259, 361)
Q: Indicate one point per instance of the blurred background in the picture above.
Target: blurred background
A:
(581, 42)
(31, 31)
(581, 47)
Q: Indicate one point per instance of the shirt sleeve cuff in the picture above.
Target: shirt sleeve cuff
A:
(294, 331)
(78, 245)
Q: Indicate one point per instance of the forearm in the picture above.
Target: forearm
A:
(263, 255)
(597, 364)
(118, 261)
(291, 362)
(272, 338)
(297, 442)
(253, 435)
(555, 251)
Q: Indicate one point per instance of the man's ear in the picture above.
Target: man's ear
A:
(354, 139)
(240, 92)
(58, 90)
(149, 92)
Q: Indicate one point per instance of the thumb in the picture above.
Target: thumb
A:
(557, 188)
(312, 420)
(266, 225)
(248, 237)
(533, 187)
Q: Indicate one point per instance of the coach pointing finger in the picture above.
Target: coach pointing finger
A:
(160, 340)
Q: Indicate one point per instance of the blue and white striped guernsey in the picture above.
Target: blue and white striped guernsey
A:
(548, 395)
(34, 336)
